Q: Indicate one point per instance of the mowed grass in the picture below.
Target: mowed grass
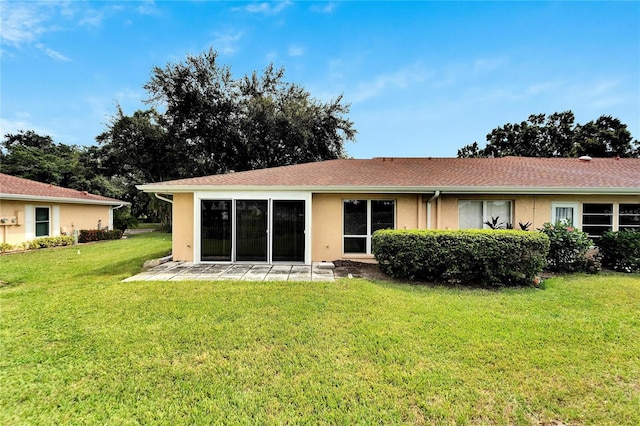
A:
(81, 347)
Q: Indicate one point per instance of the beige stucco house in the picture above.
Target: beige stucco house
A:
(30, 209)
(329, 210)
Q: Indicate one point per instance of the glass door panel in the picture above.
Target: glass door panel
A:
(288, 231)
(251, 230)
(215, 234)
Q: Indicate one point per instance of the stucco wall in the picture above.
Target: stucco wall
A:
(72, 217)
(327, 221)
(182, 216)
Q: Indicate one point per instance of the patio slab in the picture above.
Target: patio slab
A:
(186, 271)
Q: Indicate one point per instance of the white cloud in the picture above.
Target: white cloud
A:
(22, 121)
(52, 53)
(227, 43)
(401, 79)
(324, 8)
(296, 50)
(22, 23)
(268, 8)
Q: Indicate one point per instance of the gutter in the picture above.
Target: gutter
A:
(160, 197)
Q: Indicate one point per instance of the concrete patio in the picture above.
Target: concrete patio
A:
(183, 271)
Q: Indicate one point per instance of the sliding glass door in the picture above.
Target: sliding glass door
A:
(288, 231)
(251, 230)
(215, 230)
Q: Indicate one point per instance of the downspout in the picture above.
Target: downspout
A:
(435, 196)
(111, 214)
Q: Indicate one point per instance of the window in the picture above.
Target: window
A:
(597, 219)
(361, 218)
(473, 213)
(564, 213)
(42, 221)
(629, 217)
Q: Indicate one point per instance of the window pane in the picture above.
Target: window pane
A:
(42, 229)
(288, 231)
(215, 230)
(629, 217)
(355, 217)
(564, 215)
(470, 214)
(597, 219)
(500, 210)
(382, 214)
(251, 230)
(597, 209)
(355, 244)
(42, 214)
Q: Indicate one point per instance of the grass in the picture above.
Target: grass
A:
(81, 347)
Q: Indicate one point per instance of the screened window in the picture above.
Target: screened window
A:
(473, 213)
(629, 217)
(361, 219)
(42, 221)
(597, 219)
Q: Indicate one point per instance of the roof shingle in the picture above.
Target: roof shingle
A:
(15, 187)
(506, 172)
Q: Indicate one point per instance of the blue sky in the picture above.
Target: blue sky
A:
(423, 78)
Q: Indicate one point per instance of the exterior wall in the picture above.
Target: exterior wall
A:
(327, 221)
(63, 219)
(182, 224)
(526, 208)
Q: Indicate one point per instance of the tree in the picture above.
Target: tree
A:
(222, 124)
(557, 135)
(32, 156)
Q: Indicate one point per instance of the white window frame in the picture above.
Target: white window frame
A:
(577, 213)
(368, 235)
(620, 214)
(200, 196)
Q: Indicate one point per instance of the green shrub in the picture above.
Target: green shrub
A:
(47, 242)
(568, 248)
(620, 250)
(5, 247)
(475, 257)
(89, 235)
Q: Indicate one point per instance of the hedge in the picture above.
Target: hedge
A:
(470, 257)
(89, 235)
(620, 250)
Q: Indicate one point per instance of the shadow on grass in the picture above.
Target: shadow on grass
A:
(128, 267)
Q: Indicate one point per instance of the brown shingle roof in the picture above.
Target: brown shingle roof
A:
(12, 187)
(431, 174)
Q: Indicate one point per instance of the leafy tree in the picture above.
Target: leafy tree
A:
(557, 135)
(32, 156)
(219, 124)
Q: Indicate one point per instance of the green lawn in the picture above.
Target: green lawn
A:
(80, 347)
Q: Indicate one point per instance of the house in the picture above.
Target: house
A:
(30, 209)
(329, 210)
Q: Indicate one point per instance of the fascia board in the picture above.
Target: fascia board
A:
(176, 189)
(22, 197)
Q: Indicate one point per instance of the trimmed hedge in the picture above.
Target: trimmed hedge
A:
(89, 235)
(46, 242)
(568, 249)
(471, 257)
(620, 250)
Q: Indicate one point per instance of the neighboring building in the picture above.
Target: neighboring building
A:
(329, 210)
(30, 209)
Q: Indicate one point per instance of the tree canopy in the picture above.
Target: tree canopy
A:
(557, 135)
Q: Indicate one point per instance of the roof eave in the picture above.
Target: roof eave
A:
(65, 200)
(177, 189)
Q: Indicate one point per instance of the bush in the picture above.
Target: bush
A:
(47, 242)
(620, 250)
(5, 247)
(471, 257)
(89, 235)
(568, 248)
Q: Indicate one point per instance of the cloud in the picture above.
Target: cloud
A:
(227, 43)
(22, 121)
(268, 8)
(401, 79)
(324, 8)
(296, 50)
(52, 53)
(22, 23)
